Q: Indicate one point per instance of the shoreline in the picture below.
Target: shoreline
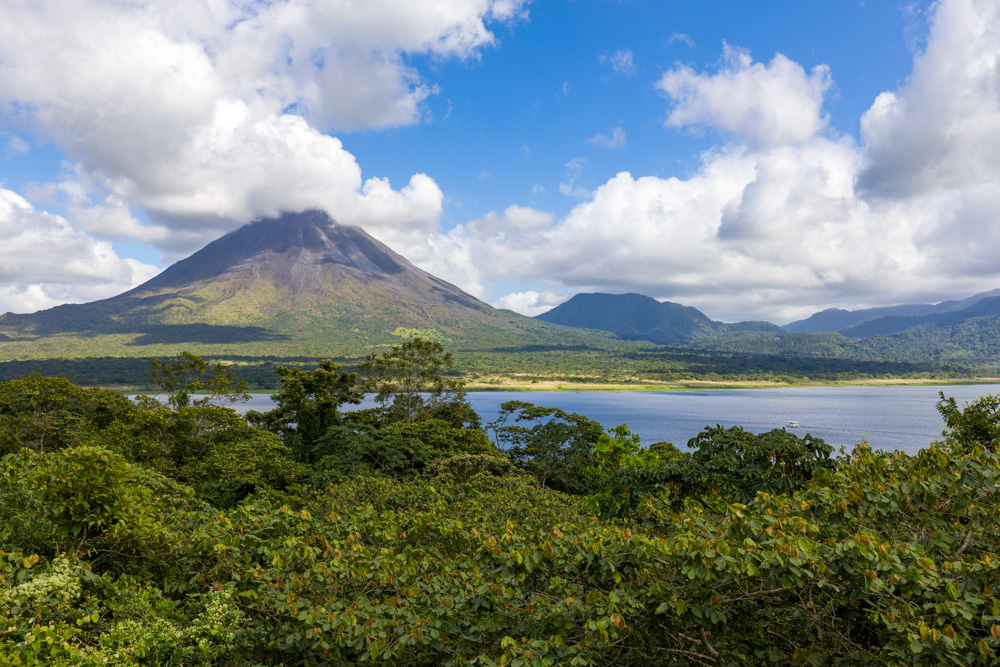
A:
(510, 384)
(481, 385)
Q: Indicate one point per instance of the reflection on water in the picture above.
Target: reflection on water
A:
(886, 417)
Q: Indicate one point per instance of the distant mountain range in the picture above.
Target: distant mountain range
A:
(890, 319)
(303, 287)
(960, 331)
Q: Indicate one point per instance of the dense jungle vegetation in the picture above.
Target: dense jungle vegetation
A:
(183, 533)
(621, 362)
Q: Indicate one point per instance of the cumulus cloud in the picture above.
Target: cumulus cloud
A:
(754, 234)
(764, 105)
(47, 261)
(942, 128)
(790, 217)
(282, 54)
(207, 115)
(615, 140)
(531, 302)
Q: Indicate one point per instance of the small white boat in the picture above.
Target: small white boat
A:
(792, 424)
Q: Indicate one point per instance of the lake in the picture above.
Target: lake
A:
(886, 417)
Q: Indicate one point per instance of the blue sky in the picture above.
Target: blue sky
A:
(755, 160)
(507, 115)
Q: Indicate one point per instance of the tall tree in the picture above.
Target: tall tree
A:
(410, 379)
(307, 405)
(187, 373)
(557, 448)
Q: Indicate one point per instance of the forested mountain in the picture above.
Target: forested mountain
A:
(835, 319)
(952, 332)
(638, 317)
(631, 316)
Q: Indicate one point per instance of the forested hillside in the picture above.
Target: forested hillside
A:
(181, 533)
(953, 333)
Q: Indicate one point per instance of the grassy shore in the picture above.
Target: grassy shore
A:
(514, 383)
(508, 383)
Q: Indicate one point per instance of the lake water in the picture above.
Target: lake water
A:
(886, 417)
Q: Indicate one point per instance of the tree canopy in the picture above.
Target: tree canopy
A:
(141, 534)
(410, 380)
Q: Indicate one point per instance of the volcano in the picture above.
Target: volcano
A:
(303, 257)
(299, 283)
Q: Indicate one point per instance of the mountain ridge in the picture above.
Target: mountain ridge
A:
(836, 319)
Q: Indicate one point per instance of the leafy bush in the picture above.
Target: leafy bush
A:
(467, 466)
(399, 449)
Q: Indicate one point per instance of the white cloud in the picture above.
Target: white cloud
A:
(518, 219)
(764, 105)
(787, 221)
(530, 302)
(208, 114)
(47, 261)
(186, 56)
(569, 187)
(942, 128)
(753, 234)
(621, 62)
(17, 146)
(616, 140)
(681, 37)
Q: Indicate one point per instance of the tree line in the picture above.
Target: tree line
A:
(180, 532)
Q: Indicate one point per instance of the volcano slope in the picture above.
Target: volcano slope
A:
(297, 286)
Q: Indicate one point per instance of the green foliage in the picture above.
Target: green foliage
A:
(213, 449)
(467, 466)
(978, 424)
(557, 448)
(188, 373)
(46, 413)
(410, 379)
(427, 546)
(665, 451)
(307, 405)
(726, 466)
(60, 613)
(737, 464)
(398, 449)
(85, 491)
(620, 448)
